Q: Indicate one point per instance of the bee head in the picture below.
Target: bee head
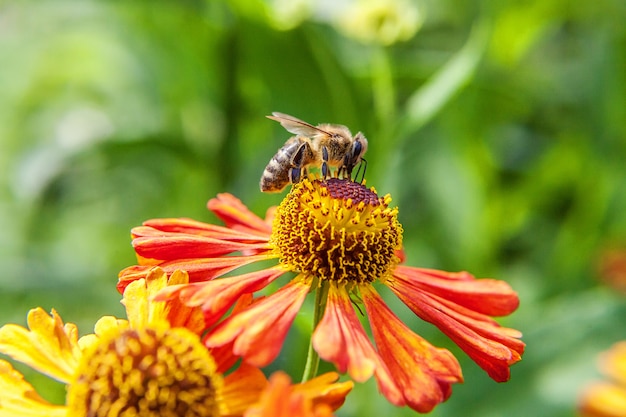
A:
(355, 154)
(359, 147)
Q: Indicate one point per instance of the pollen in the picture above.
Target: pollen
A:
(337, 230)
(152, 372)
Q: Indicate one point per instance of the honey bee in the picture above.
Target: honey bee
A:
(325, 145)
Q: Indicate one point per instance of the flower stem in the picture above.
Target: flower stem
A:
(313, 359)
(384, 92)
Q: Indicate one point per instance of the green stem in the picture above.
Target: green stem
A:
(384, 92)
(384, 104)
(313, 359)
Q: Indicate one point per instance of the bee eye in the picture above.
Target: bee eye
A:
(357, 147)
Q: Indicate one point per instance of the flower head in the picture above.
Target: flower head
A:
(608, 399)
(337, 231)
(153, 364)
(340, 239)
(383, 22)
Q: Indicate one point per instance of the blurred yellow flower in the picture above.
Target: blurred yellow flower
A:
(608, 399)
(288, 14)
(383, 22)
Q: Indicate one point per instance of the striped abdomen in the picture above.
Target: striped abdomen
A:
(276, 175)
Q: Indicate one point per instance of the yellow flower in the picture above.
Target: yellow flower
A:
(153, 364)
(384, 22)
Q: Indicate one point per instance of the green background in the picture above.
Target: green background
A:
(499, 128)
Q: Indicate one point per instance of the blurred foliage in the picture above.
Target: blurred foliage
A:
(498, 127)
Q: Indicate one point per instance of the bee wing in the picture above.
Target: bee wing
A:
(295, 125)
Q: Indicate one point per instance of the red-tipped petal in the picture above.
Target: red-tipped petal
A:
(201, 269)
(154, 244)
(194, 227)
(340, 338)
(237, 216)
(487, 296)
(260, 330)
(217, 296)
(492, 347)
(224, 357)
(423, 373)
(130, 274)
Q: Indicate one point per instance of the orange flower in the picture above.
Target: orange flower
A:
(339, 238)
(608, 399)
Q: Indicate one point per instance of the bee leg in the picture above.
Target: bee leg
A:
(345, 170)
(341, 172)
(361, 170)
(295, 172)
(294, 175)
(324, 162)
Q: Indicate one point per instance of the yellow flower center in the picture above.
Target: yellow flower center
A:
(337, 230)
(155, 372)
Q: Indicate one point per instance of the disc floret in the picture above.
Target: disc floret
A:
(337, 230)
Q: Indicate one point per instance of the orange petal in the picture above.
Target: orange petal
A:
(179, 314)
(492, 347)
(242, 389)
(204, 269)
(200, 269)
(486, 296)
(193, 227)
(270, 215)
(324, 389)
(217, 296)
(340, 338)
(237, 216)
(280, 401)
(223, 355)
(260, 330)
(131, 274)
(154, 244)
(423, 373)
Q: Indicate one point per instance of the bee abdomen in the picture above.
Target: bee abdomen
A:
(276, 174)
